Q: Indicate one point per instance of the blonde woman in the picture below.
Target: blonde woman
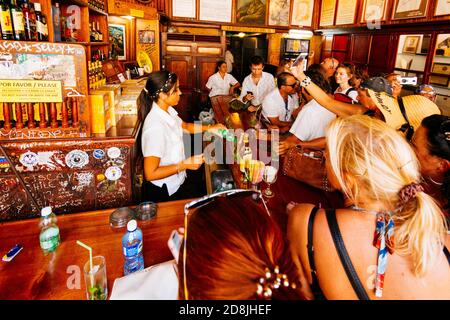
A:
(394, 234)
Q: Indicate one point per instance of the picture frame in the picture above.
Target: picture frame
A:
(410, 9)
(327, 11)
(302, 13)
(346, 12)
(279, 12)
(374, 10)
(251, 12)
(441, 68)
(184, 8)
(410, 45)
(216, 10)
(117, 33)
(146, 36)
(439, 80)
(442, 8)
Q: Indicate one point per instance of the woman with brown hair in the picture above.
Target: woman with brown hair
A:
(235, 250)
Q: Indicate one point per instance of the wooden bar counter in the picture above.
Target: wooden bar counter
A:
(32, 275)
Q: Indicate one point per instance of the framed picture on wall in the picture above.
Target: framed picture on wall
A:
(146, 36)
(279, 12)
(439, 80)
(118, 40)
(407, 9)
(411, 43)
(302, 11)
(374, 10)
(442, 8)
(252, 12)
(441, 68)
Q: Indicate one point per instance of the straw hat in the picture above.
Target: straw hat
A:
(416, 107)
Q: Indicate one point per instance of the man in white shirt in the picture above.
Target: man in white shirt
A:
(257, 84)
(221, 82)
(229, 59)
(281, 105)
(308, 129)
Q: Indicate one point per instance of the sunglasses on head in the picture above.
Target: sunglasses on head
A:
(293, 85)
(195, 204)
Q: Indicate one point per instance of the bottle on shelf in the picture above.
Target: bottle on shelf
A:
(17, 21)
(6, 21)
(56, 15)
(29, 21)
(132, 243)
(100, 34)
(41, 23)
(49, 238)
(91, 33)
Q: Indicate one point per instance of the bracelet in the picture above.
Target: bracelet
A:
(305, 82)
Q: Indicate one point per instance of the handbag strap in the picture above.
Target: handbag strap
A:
(310, 246)
(447, 254)
(343, 255)
(407, 127)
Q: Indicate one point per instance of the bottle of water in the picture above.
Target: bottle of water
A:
(132, 244)
(49, 236)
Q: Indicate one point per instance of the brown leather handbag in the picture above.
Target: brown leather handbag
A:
(308, 166)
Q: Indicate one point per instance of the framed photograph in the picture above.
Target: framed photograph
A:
(439, 80)
(251, 12)
(374, 10)
(119, 43)
(146, 36)
(279, 12)
(411, 43)
(443, 45)
(442, 8)
(441, 68)
(302, 12)
(407, 9)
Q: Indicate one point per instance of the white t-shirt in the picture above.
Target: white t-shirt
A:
(229, 59)
(162, 137)
(352, 94)
(265, 85)
(220, 86)
(311, 121)
(274, 106)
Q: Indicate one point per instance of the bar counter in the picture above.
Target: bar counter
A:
(32, 275)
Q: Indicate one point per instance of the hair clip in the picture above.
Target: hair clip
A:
(271, 281)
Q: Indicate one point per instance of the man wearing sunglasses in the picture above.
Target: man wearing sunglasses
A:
(281, 106)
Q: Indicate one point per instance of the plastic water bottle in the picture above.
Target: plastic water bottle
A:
(132, 248)
(49, 236)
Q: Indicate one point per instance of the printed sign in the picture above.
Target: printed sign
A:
(30, 91)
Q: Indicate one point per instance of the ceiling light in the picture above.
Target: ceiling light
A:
(241, 34)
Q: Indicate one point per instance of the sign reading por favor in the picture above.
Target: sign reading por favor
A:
(30, 91)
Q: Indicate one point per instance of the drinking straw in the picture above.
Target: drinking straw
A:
(90, 260)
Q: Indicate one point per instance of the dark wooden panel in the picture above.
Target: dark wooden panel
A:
(206, 67)
(379, 57)
(360, 47)
(341, 56)
(340, 42)
(181, 66)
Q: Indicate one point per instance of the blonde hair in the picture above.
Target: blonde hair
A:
(373, 162)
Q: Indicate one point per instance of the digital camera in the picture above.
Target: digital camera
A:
(407, 80)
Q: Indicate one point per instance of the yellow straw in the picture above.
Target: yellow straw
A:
(90, 260)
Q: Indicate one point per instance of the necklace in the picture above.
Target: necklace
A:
(435, 182)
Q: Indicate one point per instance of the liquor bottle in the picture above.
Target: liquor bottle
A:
(100, 34)
(30, 22)
(56, 15)
(18, 22)
(247, 156)
(41, 23)
(91, 33)
(6, 21)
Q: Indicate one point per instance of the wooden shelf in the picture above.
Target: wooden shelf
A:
(94, 44)
(97, 11)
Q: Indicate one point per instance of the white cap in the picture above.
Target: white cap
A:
(46, 211)
(37, 6)
(131, 225)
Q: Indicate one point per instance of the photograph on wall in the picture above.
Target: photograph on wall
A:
(443, 45)
(410, 45)
(251, 12)
(407, 9)
(117, 34)
(374, 10)
(146, 36)
(442, 8)
(302, 12)
(279, 12)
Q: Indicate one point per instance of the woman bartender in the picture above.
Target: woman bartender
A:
(165, 164)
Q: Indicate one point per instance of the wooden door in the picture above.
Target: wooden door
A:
(381, 54)
(205, 67)
(360, 47)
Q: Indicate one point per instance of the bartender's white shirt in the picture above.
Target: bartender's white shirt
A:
(273, 106)
(265, 85)
(220, 86)
(162, 137)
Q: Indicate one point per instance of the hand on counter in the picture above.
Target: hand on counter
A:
(193, 163)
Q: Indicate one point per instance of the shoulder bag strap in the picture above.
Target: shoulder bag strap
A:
(310, 245)
(447, 254)
(343, 255)
(407, 127)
